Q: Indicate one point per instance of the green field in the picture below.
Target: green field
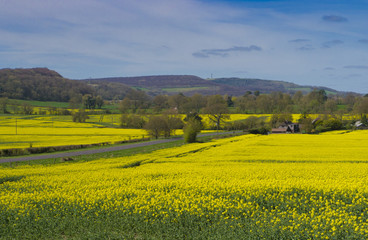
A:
(184, 89)
(41, 103)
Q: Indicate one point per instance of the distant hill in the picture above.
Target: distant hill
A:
(43, 84)
(267, 86)
(189, 85)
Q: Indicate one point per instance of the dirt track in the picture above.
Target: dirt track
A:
(97, 150)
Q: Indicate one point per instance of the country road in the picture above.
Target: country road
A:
(99, 150)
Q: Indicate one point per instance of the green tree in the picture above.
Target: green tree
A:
(124, 105)
(132, 121)
(89, 102)
(99, 102)
(155, 126)
(160, 102)
(217, 110)
(27, 108)
(80, 116)
(330, 106)
(178, 101)
(198, 101)
(3, 104)
(306, 124)
(229, 101)
(75, 101)
(361, 107)
(280, 118)
(173, 122)
(138, 100)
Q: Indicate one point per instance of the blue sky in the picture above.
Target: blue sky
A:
(320, 43)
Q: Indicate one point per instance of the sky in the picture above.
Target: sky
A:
(310, 42)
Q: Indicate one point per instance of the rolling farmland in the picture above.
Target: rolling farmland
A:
(251, 186)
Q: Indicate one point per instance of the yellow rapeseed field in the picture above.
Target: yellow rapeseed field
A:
(247, 187)
(44, 131)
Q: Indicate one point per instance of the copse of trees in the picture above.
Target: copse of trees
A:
(91, 102)
(132, 121)
(163, 125)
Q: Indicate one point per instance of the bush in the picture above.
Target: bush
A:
(80, 116)
(333, 124)
(191, 129)
(261, 130)
(251, 122)
(321, 128)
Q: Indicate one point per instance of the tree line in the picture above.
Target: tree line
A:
(160, 114)
(314, 102)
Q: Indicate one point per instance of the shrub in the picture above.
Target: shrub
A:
(191, 129)
(333, 124)
(80, 116)
(261, 130)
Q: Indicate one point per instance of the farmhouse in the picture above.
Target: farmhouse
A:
(360, 125)
(287, 127)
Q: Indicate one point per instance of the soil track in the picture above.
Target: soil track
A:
(99, 150)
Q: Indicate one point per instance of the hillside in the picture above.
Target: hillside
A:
(267, 86)
(189, 85)
(39, 84)
(43, 84)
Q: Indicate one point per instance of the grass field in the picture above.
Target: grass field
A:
(40, 103)
(246, 187)
(184, 89)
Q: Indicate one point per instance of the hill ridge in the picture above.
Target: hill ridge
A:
(191, 84)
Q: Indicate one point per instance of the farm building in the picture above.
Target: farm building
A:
(287, 127)
(360, 125)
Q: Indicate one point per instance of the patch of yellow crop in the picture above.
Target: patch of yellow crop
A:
(43, 131)
(276, 186)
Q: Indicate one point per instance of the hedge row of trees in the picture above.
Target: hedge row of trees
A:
(314, 102)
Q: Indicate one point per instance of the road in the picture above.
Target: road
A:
(98, 150)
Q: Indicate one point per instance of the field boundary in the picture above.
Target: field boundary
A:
(36, 150)
(103, 150)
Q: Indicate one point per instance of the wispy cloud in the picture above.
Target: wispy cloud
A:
(364, 41)
(328, 69)
(299, 40)
(307, 47)
(334, 18)
(363, 67)
(205, 53)
(332, 43)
